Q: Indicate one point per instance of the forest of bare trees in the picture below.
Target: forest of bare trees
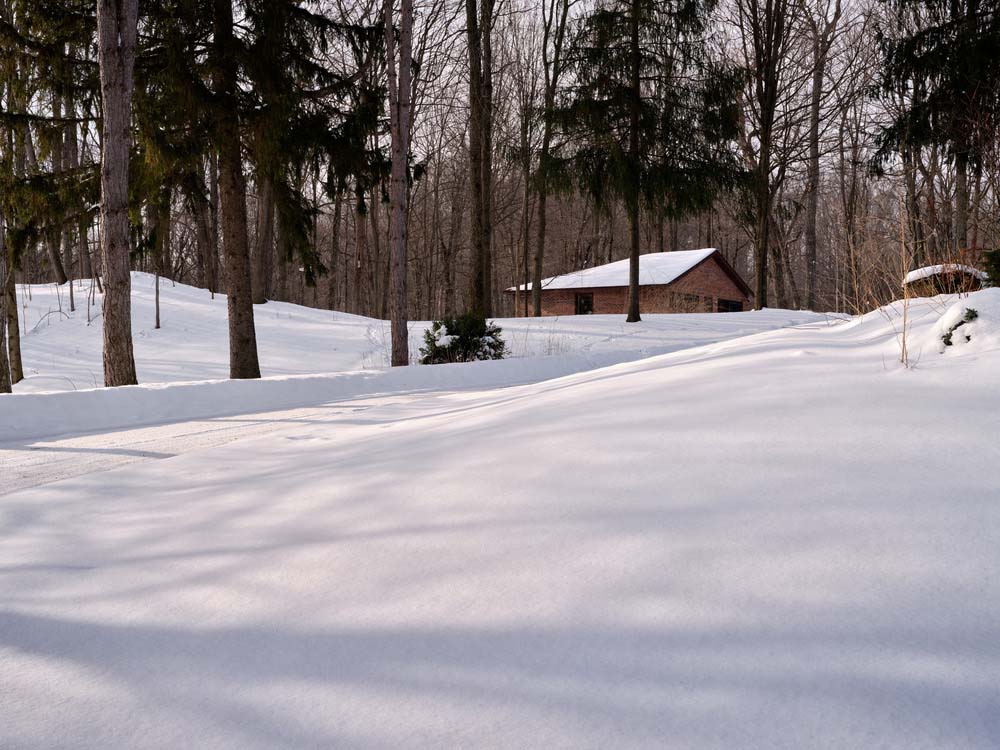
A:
(414, 159)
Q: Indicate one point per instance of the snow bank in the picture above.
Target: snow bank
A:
(35, 415)
(980, 334)
(928, 271)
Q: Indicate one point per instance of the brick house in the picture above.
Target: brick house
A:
(683, 281)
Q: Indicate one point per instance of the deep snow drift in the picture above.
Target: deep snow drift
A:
(782, 541)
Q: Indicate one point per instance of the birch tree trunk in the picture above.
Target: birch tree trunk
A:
(116, 30)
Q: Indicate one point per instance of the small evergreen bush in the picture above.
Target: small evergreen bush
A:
(467, 338)
(970, 315)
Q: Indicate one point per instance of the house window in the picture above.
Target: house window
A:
(584, 304)
(728, 305)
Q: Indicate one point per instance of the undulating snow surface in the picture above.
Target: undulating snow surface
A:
(780, 541)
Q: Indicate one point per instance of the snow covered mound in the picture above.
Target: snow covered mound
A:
(970, 325)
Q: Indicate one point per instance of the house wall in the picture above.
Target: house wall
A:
(711, 281)
(697, 291)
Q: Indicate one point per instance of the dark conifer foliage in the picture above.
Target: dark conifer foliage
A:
(941, 56)
(651, 117)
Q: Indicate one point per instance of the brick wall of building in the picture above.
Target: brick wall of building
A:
(698, 291)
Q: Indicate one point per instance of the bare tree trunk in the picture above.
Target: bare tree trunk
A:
(913, 204)
(264, 256)
(522, 277)
(213, 198)
(399, 125)
(243, 361)
(83, 249)
(116, 30)
(486, 112)
(6, 386)
(205, 248)
(360, 257)
(479, 23)
(961, 201)
(632, 200)
(161, 260)
(554, 19)
(13, 322)
(53, 236)
(71, 161)
(812, 195)
(768, 27)
(331, 299)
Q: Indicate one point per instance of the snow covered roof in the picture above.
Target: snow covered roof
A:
(654, 268)
(927, 271)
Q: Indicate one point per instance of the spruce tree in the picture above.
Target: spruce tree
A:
(51, 88)
(651, 116)
(942, 56)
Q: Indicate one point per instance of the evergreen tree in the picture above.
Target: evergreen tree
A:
(942, 54)
(651, 116)
(51, 89)
(293, 113)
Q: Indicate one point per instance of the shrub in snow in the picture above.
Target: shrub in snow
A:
(969, 316)
(970, 324)
(466, 338)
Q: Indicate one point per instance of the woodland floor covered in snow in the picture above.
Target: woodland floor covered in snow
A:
(779, 540)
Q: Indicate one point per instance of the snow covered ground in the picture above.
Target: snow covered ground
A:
(785, 540)
(308, 357)
(63, 352)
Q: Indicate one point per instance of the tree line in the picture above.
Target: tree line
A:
(412, 159)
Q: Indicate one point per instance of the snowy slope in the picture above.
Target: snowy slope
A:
(308, 357)
(63, 352)
(782, 541)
